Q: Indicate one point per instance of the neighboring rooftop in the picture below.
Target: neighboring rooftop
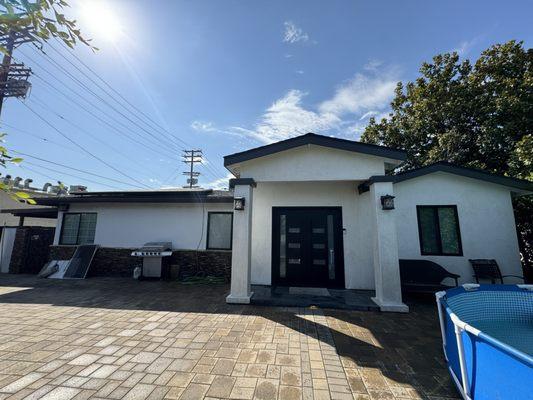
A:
(143, 196)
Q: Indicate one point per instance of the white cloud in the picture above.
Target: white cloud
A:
(360, 94)
(287, 117)
(293, 33)
(202, 126)
(345, 114)
(373, 65)
(220, 184)
(466, 46)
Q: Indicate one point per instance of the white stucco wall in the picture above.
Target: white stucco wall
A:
(313, 163)
(486, 221)
(357, 242)
(132, 225)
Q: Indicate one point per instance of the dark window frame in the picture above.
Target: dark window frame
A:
(436, 224)
(209, 224)
(78, 230)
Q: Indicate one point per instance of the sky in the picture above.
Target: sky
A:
(225, 76)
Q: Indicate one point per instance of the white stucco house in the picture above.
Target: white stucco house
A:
(317, 211)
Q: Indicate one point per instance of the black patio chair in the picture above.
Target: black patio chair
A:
(487, 269)
(424, 276)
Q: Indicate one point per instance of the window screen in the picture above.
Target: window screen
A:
(78, 228)
(219, 230)
(438, 228)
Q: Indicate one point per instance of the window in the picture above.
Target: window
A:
(219, 230)
(438, 227)
(78, 228)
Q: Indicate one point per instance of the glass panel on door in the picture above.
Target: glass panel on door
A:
(331, 248)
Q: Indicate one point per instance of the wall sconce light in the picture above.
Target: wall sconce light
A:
(387, 202)
(238, 203)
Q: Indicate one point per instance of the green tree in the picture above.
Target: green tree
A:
(476, 115)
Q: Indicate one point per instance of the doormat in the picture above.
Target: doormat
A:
(309, 291)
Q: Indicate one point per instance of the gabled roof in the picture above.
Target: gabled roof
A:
(318, 140)
(146, 196)
(473, 173)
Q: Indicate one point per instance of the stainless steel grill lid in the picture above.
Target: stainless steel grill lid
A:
(154, 249)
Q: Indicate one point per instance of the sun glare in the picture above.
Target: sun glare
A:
(102, 21)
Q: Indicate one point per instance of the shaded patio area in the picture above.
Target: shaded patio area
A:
(284, 296)
(118, 338)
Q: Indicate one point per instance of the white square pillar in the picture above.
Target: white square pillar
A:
(242, 244)
(385, 245)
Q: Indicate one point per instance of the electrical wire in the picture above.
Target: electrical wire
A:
(103, 142)
(72, 175)
(161, 148)
(69, 167)
(83, 148)
(137, 110)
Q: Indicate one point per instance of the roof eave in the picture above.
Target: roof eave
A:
(318, 140)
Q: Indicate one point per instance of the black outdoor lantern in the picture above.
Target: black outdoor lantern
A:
(387, 202)
(238, 203)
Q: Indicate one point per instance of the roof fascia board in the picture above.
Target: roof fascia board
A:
(318, 140)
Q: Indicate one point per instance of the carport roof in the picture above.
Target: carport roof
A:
(318, 140)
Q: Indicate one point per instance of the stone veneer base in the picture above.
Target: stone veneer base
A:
(118, 262)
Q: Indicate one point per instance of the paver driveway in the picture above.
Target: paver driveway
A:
(117, 338)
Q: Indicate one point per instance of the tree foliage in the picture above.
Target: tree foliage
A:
(44, 18)
(476, 115)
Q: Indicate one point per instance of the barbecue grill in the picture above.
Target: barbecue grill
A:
(153, 254)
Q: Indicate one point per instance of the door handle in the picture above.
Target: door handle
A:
(331, 257)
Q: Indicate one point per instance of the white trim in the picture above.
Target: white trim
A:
(231, 299)
(462, 361)
(390, 307)
(526, 287)
(463, 325)
(438, 297)
(458, 384)
(470, 286)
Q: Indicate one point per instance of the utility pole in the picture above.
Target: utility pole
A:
(192, 157)
(13, 77)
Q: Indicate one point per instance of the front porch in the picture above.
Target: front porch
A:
(341, 299)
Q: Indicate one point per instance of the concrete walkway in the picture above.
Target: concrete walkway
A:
(122, 339)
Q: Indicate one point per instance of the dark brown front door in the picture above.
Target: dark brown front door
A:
(307, 246)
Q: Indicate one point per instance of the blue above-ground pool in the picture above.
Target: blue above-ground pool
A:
(487, 335)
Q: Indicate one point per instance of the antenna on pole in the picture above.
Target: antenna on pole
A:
(192, 157)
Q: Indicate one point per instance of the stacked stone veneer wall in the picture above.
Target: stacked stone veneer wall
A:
(118, 262)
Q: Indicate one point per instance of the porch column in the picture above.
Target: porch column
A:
(385, 244)
(242, 243)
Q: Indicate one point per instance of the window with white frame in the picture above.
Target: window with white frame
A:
(78, 228)
(219, 230)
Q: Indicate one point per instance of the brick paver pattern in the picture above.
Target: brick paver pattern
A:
(122, 339)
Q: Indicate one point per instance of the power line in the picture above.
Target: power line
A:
(76, 80)
(84, 86)
(83, 148)
(72, 168)
(116, 92)
(118, 152)
(72, 175)
(68, 97)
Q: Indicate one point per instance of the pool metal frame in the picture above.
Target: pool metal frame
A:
(459, 327)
